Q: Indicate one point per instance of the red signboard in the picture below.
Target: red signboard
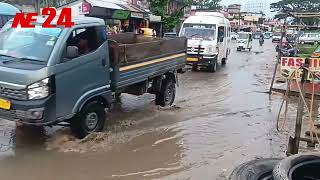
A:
(289, 65)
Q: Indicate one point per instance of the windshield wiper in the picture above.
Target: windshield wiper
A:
(194, 35)
(18, 59)
(7, 56)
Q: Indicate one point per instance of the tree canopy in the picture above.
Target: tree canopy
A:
(208, 4)
(286, 8)
(170, 20)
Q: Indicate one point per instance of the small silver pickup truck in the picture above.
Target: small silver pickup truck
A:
(53, 75)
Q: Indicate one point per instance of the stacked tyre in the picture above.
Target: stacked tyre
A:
(297, 167)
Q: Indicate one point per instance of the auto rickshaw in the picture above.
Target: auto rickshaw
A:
(244, 41)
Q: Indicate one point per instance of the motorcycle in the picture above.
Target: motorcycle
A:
(289, 51)
(261, 41)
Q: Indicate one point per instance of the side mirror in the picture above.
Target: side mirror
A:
(72, 52)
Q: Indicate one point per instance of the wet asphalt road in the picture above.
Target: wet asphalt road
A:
(220, 120)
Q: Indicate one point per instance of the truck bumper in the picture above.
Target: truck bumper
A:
(35, 112)
(200, 60)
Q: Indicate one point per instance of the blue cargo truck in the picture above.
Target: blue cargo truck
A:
(53, 75)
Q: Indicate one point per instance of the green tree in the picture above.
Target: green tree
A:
(286, 8)
(170, 20)
(208, 4)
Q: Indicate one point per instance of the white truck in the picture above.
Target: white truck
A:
(209, 38)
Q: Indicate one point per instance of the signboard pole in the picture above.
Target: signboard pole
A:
(300, 109)
(279, 57)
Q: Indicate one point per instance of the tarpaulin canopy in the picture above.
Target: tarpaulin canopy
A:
(104, 4)
(8, 9)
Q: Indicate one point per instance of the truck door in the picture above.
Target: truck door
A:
(83, 70)
(222, 40)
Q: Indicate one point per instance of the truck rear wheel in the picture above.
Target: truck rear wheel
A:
(167, 94)
(90, 119)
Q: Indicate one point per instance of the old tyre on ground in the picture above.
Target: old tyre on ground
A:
(167, 94)
(260, 169)
(298, 167)
(91, 119)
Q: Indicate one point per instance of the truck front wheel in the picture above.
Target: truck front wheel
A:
(91, 119)
(167, 93)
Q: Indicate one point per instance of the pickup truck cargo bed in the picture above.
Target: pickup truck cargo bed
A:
(135, 58)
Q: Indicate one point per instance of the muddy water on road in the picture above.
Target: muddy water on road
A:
(220, 120)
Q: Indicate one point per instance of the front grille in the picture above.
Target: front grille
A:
(10, 114)
(195, 50)
(14, 93)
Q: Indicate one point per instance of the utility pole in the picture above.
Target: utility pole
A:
(37, 6)
(239, 19)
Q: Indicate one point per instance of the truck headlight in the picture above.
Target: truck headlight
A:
(39, 89)
(210, 50)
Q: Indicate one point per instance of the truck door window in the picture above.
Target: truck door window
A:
(86, 40)
(221, 33)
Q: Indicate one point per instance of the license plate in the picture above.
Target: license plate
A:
(192, 59)
(5, 104)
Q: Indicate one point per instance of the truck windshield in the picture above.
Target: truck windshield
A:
(28, 43)
(199, 33)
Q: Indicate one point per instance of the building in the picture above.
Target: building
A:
(241, 20)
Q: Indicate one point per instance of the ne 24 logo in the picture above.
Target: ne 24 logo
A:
(27, 20)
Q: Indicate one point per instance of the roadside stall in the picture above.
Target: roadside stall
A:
(302, 76)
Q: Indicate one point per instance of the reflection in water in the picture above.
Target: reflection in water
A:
(6, 139)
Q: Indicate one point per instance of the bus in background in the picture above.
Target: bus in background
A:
(7, 12)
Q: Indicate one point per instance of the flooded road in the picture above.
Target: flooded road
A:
(219, 121)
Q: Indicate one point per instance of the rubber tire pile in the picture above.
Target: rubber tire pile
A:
(297, 167)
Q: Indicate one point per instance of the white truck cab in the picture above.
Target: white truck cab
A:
(208, 35)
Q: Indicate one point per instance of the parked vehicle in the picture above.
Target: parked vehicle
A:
(147, 32)
(7, 12)
(70, 74)
(309, 38)
(244, 41)
(208, 35)
(289, 51)
(284, 45)
(234, 35)
(267, 35)
(276, 37)
(316, 53)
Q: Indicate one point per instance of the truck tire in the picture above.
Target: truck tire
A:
(213, 66)
(90, 119)
(167, 94)
(194, 67)
(260, 169)
(297, 167)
